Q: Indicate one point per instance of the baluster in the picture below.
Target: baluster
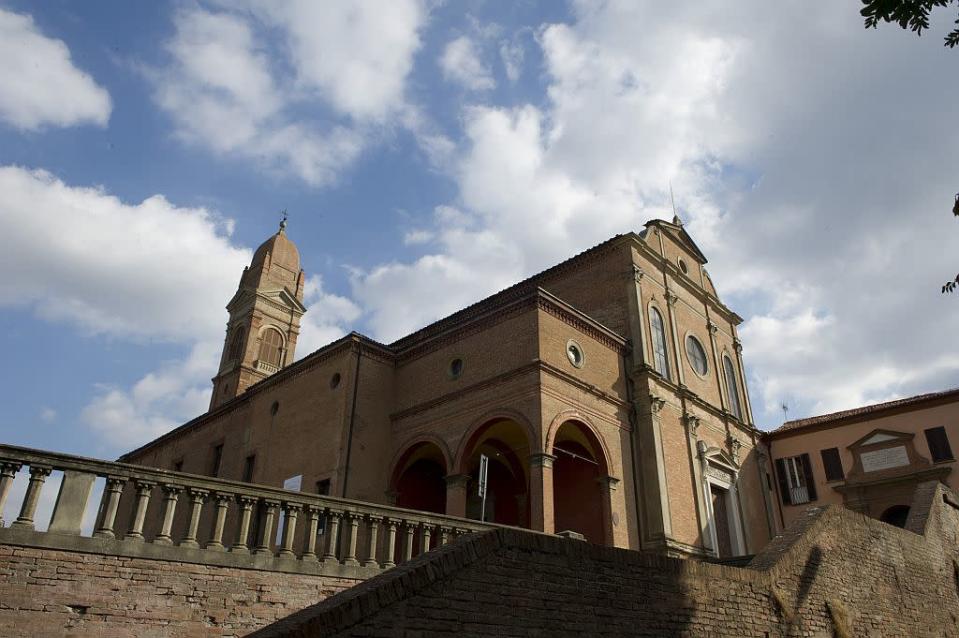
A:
(110, 503)
(171, 494)
(243, 529)
(445, 533)
(270, 506)
(391, 524)
(38, 474)
(354, 522)
(144, 491)
(426, 534)
(292, 511)
(333, 534)
(219, 522)
(374, 528)
(8, 470)
(197, 499)
(312, 513)
(408, 528)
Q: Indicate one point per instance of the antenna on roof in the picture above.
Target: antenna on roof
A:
(672, 201)
(785, 412)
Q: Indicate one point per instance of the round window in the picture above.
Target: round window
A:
(335, 380)
(696, 355)
(456, 368)
(574, 352)
(682, 266)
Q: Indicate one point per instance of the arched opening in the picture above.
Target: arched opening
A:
(271, 347)
(236, 346)
(419, 479)
(896, 515)
(578, 492)
(505, 444)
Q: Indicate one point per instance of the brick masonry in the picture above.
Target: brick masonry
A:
(832, 573)
(47, 592)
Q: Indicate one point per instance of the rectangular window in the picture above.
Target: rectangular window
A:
(832, 464)
(217, 459)
(248, 466)
(323, 487)
(178, 465)
(796, 483)
(939, 444)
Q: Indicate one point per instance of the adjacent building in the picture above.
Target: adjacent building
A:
(869, 459)
(607, 393)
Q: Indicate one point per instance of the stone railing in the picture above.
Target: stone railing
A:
(151, 513)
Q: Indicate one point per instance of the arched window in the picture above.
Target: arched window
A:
(236, 346)
(660, 356)
(734, 405)
(271, 347)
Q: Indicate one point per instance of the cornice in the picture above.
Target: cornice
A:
(582, 385)
(582, 322)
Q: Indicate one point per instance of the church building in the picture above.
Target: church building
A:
(607, 393)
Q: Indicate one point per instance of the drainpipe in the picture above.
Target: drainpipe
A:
(349, 435)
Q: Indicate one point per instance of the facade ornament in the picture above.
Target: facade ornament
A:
(735, 445)
(541, 459)
(737, 345)
(638, 273)
(656, 403)
(671, 298)
(692, 424)
(713, 328)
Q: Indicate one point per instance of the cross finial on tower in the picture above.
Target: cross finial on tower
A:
(672, 201)
(283, 221)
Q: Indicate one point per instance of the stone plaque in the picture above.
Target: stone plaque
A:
(884, 459)
(718, 473)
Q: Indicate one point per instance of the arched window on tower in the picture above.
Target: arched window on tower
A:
(236, 346)
(660, 356)
(734, 406)
(271, 347)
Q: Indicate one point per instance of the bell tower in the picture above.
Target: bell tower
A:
(264, 318)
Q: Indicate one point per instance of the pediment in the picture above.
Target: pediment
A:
(277, 296)
(683, 238)
(720, 457)
(881, 436)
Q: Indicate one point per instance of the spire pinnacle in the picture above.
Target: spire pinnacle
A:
(283, 221)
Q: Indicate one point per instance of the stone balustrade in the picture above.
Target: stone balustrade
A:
(151, 513)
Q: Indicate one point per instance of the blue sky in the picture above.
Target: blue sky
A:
(432, 153)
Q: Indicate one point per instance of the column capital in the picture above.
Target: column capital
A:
(737, 345)
(144, 485)
(310, 510)
(608, 482)
(198, 494)
(656, 403)
(9, 468)
(292, 507)
(638, 273)
(712, 327)
(40, 470)
(692, 423)
(456, 480)
(671, 297)
(171, 488)
(541, 459)
(245, 500)
(114, 482)
(222, 498)
(271, 504)
(735, 445)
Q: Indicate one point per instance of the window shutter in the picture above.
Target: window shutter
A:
(784, 492)
(939, 444)
(832, 463)
(807, 472)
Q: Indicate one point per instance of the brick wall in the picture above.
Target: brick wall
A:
(834, 572)
(47, 592)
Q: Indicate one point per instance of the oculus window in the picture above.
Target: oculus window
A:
(696, 355)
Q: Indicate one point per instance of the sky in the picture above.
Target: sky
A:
(431, 153)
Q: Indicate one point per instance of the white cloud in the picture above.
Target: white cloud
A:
(512, 54)
(48, 414)
(39, 85)
(806, 173)
(329, 317)
(307, 105)
(462, 65)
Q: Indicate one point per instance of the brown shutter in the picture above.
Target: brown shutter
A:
(784, 492)
(939, 444)
(832, 464)
(807, 472)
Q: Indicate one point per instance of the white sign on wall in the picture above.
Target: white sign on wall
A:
(884, 459)
(295, 484)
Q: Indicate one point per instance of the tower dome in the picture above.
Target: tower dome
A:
(282, 252)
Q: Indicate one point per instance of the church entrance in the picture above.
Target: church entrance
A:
(505, 444)
(577, 490)
(720, 502)
(419, 479)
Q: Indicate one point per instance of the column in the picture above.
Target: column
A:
(292, 511)
(246, 504)
(219, 522)
(541, 492)
(38, 474)
(677, 353)
(407, 540)
(144, 491)
(8, 470)
(312, 513)
(266, 533)
(333, 535)
(391, 524)
(456, 494)
(426, 535)
(197, 499)
(112, 490)
(373, 531)
(637, 320)
(717, 365)
(608, 485)
(170, 495)
(353, 525)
